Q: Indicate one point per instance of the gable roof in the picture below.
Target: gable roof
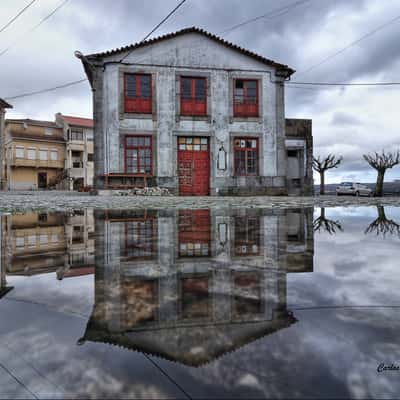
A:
(34, 122)
(4, 104)
(78, 121)
(189, 345)
(200, 31)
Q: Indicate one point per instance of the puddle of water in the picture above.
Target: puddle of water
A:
(200, 303)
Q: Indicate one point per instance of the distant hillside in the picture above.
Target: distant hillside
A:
(389, 188)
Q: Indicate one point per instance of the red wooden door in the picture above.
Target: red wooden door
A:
(194, 166)
(194, 230)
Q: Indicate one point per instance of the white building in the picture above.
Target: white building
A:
(191, 112)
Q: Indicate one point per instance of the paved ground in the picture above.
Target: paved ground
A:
(56, 200)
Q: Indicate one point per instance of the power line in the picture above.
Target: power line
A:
(46, 90)
(343, 83)
(34, 27)
(14, 18)
(368, 34)
(156, 27)
(277, 12)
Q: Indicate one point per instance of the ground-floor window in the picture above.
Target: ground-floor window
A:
(246, 156)
(138, 155)
(139, 240)
(247, 236)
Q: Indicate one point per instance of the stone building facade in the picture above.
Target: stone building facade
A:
(190, 112)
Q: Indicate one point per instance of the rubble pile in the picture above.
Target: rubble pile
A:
(148, 191)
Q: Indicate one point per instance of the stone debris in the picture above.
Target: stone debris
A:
(146, 191)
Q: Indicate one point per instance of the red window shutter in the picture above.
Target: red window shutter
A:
(245, 98)
(138, 93)
(193, 100)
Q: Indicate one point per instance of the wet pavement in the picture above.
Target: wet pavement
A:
(203, 303)
(19, 201)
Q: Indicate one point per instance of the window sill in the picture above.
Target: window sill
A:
(137, 116)
(206, 118)
(244, 119)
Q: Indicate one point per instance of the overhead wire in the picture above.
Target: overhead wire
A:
(156, 27)
(348, 46)
(34, 27)
(16, 16)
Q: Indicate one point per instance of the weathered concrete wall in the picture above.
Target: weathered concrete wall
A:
(195, 55)
(299, 138)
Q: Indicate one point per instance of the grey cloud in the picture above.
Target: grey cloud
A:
(342, 118)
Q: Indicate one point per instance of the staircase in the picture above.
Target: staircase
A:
(57, 179)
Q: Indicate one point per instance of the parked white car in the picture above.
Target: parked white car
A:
(353, 189)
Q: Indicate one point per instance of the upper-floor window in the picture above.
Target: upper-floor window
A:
(77, 134)
(89, 136)
(43, 154)
(193, 96)
(54, 155)
(245, 98)
(32, 154)
(246, 156)
(19, 152)
(137, 93)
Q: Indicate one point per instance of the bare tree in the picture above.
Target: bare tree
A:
(328, 225)
(382, 225)
(321, 165)
(381, 162)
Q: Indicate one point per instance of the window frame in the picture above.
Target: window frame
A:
(52, 152)
(138, 110)
(246, 150)
(22, 148)
(245, 113)
(44, 153)
(150, 147)
(30, 150)
(192, 100)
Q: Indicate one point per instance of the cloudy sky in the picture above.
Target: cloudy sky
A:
(346, 121)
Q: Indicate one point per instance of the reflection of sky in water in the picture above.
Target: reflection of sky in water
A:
(332, 350)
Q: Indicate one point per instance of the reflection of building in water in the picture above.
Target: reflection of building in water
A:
(36, 243)
(300, 241)
(79, 231)
(192, 285)
(3, 282)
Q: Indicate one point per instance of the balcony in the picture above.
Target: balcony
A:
(24, 162)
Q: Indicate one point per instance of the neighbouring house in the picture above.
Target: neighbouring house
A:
(299, 145)
(35, 154)
(193, 113)
(41, 242)
(78, 134)
(3, 106)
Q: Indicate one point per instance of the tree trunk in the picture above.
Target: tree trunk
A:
(322, 216)
(322, 184)
(381, 213)
(379, 183)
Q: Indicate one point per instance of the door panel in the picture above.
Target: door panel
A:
(193, 166)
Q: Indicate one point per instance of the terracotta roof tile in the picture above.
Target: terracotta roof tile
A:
(78, 121)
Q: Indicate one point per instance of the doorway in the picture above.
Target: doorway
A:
(194, 166)
(42, 180)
